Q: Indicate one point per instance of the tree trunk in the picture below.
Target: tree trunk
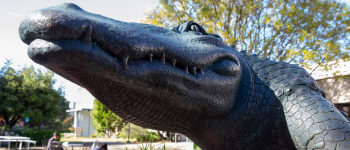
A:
(10, 122)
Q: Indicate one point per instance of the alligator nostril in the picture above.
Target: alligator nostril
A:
(70, 6)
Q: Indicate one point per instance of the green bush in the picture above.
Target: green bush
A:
(36, 135)
(138, 133)
(93, 136)
(195, 146)
(149, 136)
(121, 134)
(135, 131)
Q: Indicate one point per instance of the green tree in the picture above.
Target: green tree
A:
(104, 119)
(304, 32)
(30, 93)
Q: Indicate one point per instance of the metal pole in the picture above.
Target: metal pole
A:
(89, 125)
(175, 137)
(75, 123)
(128, 134)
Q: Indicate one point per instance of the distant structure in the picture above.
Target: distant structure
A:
(80, 108)
(337, 88)
(2, 121)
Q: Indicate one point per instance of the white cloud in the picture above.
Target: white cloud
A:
(13, 14)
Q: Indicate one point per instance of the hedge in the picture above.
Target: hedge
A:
(36, 135)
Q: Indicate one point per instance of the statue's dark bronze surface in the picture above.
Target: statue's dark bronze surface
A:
(186, 80)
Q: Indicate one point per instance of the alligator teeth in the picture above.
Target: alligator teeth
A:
(162, 59)
(186, 69)
(125, 63)
(150, 57)
(173, 61)
(193, 71)
(201, 70)
(87, 37)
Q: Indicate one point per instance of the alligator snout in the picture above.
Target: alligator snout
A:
(125, 41)
(60, 22)
(70, 22)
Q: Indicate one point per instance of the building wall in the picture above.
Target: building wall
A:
(83, 123)
(337, 91)
(82, 102)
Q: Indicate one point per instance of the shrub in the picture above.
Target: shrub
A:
(149, 136)
(140, 133)
(135, 131)
(121, 134)
(93, 136)
(36, 135)
(195, 146)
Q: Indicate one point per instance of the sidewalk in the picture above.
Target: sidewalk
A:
(120, 140)
(129, 146)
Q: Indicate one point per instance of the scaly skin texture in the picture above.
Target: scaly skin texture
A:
(185, 80)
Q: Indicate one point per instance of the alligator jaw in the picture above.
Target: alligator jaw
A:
(126, 41)
(171, 67)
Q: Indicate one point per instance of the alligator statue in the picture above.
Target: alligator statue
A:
(185, 80)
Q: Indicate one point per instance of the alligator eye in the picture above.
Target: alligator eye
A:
(224, 67)
(191, 27)
(194, 28)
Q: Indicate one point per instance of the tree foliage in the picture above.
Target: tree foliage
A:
(30, 93)
(304, 32)
(104, 119)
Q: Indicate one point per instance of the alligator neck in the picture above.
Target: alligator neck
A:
(256, 120)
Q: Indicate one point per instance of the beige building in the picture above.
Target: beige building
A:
(337, 88)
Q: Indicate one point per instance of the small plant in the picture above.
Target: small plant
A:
(148, 136)
(135, 131)
(93, 136)
(151, 146)
(196, 146)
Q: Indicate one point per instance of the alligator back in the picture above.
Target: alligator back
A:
(313, 121)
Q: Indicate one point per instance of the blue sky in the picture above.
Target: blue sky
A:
(13, 11)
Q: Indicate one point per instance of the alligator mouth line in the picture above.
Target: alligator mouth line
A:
(73, 72)
(161, 58)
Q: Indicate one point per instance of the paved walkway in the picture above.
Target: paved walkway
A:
(129, 146)
(168, 146)
(122, 140)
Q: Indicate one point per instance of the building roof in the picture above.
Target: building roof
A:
(342, 68)
(84, 101)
